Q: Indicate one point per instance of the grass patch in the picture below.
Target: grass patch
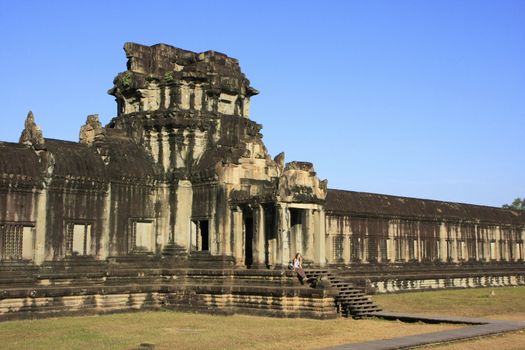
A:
(463, 302)
(173, 330)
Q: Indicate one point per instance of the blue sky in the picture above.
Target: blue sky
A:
(415, 98)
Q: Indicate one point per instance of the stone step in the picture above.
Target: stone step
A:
(349, 291)
(353, 300)
(362, 307)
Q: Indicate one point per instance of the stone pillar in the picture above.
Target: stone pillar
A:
(182, 232)
(365, 250)
(296, 233)
(162, 213)
(499, 243)
(319, 237)
(329, 252)
(476, 240)
(309, 231)
(454, 242)
(346, 249)
(487, 249)
(258, 237)
(443, 242)
(283, 235)
(405, 241)
(390, 247)
(226, 224)
(103, 251)
(238, 236)
(504, 245)
(418, 248)
(40, 227)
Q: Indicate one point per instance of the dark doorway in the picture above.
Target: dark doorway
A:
(296, 217)
(248, 241)
(297, 236)
(270, 232)
(204, 235)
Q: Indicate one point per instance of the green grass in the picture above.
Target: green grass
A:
(172, 330)
(464, 302)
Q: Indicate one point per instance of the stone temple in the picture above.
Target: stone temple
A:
(176, 203)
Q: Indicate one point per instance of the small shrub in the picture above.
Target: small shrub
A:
(168, 76)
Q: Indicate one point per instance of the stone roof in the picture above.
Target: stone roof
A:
(127, 159)
(361, 203)
(17, 159)
(75, 160)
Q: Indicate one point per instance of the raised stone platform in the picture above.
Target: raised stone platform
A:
(394, 278)
(79, 286)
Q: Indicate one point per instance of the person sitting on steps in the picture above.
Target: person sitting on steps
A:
(298, 268)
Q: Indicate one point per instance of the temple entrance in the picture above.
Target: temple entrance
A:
(200, 235)
(248, 239)
(270, 235)
(204, 233)
(297, 238)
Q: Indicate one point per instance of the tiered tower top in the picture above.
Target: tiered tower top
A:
(163, 77)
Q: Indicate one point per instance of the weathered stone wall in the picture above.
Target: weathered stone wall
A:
(367, 228)
(360, 239)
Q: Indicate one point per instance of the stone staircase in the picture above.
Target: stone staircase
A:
(350, 301)
(174, 250)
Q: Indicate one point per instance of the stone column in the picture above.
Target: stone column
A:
(476, 240)
(405, 241)
(226, 224)
(504, 245)
(309, 230)
(258, 236)
(184, 195)
(346, 249)
(103, 251)
(319, 237)
(296, 233)
(391, 249)
(454, 242)
(499, 243)
(365, 250)
(418, 247)
(283, 235)
(238, 236)
(487, 249)
(443, 242)
(40, 227)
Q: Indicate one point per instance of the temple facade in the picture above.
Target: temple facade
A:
(182, 166)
